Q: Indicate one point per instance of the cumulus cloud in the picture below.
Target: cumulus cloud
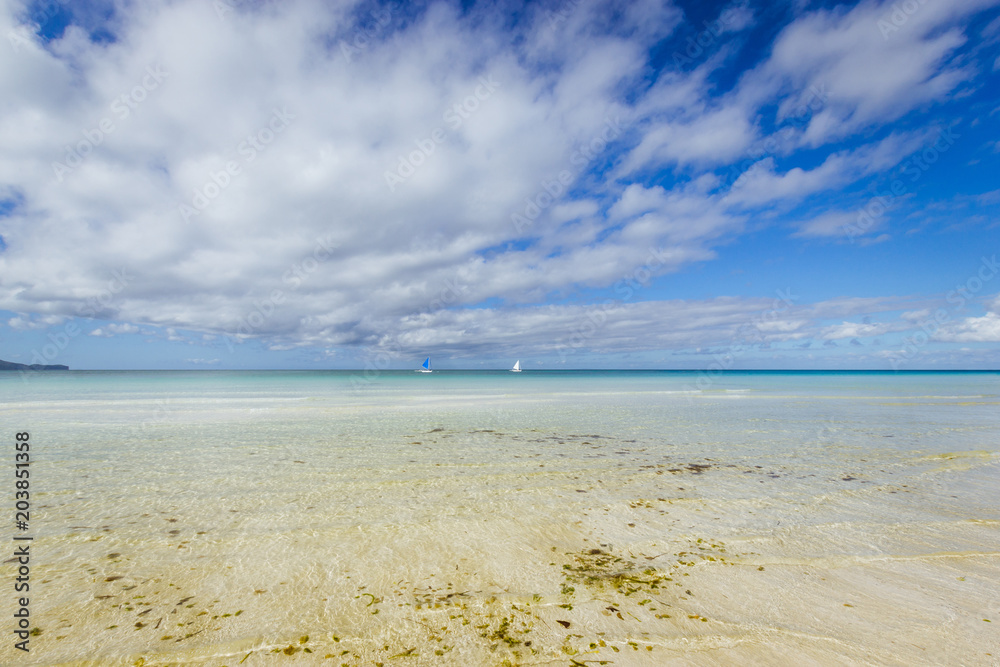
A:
(873, 66)
(114, 330)
(23, 323)
(197, 193)
(985, 329)
(262, 172)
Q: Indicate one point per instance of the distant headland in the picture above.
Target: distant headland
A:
(11, 366)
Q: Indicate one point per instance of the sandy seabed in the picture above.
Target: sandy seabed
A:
(563, 530)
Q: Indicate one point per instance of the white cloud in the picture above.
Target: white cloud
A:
(763, 184)
(985, 329)
(23, 323)
(736, 17)
(855, 330)
(604, 328)
(992, 30)
(321, 178)
(871, 75)
(700, 136)
(831, 223)
(916, 315)
(114, 330)
(305, 243)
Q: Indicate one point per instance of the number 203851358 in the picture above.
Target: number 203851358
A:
(22, 485)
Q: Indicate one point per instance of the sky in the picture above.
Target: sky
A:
(235, 184)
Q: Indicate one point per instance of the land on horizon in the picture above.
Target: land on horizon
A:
(13, 366)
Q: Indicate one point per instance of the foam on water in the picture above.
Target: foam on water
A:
(214, 518)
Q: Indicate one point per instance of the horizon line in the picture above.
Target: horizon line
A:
(532, 370)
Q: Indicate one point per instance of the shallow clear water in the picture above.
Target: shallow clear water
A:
(535, 518)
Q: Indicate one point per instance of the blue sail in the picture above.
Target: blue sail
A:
(427, 363)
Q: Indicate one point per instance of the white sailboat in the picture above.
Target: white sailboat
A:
(517, 367)
(426, 366)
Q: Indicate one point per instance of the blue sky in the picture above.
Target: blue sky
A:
(239, 184)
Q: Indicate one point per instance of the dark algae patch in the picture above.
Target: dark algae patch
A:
(601, 601)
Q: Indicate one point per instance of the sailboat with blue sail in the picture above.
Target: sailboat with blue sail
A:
(426, 366)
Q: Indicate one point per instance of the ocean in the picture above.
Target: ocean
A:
(494, 518)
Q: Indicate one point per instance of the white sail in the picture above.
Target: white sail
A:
(517, 367)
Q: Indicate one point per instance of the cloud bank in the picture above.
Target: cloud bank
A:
(352, 175)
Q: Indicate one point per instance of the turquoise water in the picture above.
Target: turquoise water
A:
(450, 518)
